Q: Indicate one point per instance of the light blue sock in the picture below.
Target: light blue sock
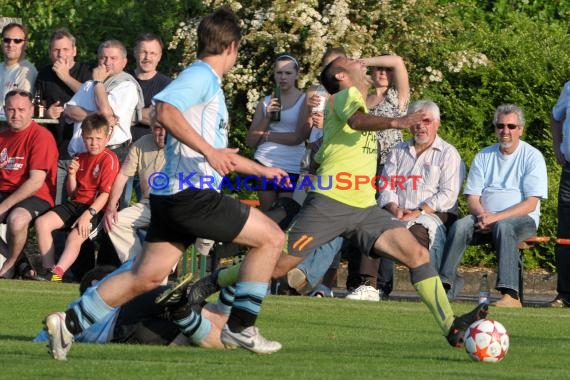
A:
(91, 308)
(226, 300)
(249, 295)
(194, 327)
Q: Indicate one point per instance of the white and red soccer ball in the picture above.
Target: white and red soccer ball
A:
(486, 340)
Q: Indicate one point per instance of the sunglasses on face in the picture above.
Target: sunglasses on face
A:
(17, 41)
(502, 126)
(386, 69)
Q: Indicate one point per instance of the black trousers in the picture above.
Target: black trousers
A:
(562, 252)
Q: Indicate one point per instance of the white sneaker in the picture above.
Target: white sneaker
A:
(250, 339)
(364, 293)
(60, 339)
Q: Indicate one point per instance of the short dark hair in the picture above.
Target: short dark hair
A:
(93, 276)
(112, 44)
(13, 25)
(148, 37)
(60, 33)
(338, 51)
(15, 92)
(328, 76)
(217, 31)
(95, 122)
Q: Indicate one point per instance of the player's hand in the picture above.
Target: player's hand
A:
(223, 161)
(110, 218)
(73, 166)
(54, 111)
(410, 120)
(282, 177)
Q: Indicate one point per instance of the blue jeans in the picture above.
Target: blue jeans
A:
(318, 262)
(505, 237)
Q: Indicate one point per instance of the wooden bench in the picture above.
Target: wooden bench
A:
(527, 244)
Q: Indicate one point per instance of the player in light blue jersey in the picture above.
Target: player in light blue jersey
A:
(192, 110)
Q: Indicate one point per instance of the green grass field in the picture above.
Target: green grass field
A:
(322, 339)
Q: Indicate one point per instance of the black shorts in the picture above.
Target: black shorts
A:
(193, 213)
(70, 211)
(141, 321)
(34, 205)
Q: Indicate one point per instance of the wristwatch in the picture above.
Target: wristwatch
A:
(421, 210)
(96, 82)
(92, 211)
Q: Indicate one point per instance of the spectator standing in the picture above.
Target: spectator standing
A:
(57, 83)
(148, 53)
(28, 167)
(16, 72)
(113, 93)
(280, 143)
(504, 188)
(560, 126)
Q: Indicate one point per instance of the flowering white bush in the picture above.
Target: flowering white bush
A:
(306, 28)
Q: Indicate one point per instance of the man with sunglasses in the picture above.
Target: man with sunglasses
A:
(504, 188)
(28, 167)
(15, 72)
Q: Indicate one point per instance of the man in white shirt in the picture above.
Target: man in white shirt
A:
(113, 93)
(420, 183)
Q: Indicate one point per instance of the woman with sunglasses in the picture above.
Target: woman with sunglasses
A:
(16, 73)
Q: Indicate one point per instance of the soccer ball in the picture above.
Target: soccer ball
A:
(486, 341)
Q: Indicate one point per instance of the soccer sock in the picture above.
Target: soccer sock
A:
(191, 324)
(58, 270)
(430, 289)
(90, 309)
(228, 276)
(247, 305)
(226, 300)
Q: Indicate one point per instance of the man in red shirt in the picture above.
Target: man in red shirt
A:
(28, 168)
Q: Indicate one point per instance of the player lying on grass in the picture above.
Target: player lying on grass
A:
(142, 321)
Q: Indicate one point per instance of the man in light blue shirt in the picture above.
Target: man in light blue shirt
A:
(505, 185)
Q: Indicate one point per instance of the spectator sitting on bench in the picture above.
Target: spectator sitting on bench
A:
(90, 177)
(504, 188)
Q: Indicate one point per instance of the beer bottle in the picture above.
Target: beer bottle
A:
(38, 106)
(276, 115)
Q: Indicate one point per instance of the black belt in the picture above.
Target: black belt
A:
(117, 146)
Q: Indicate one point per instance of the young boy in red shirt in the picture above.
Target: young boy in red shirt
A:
(90, 177)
